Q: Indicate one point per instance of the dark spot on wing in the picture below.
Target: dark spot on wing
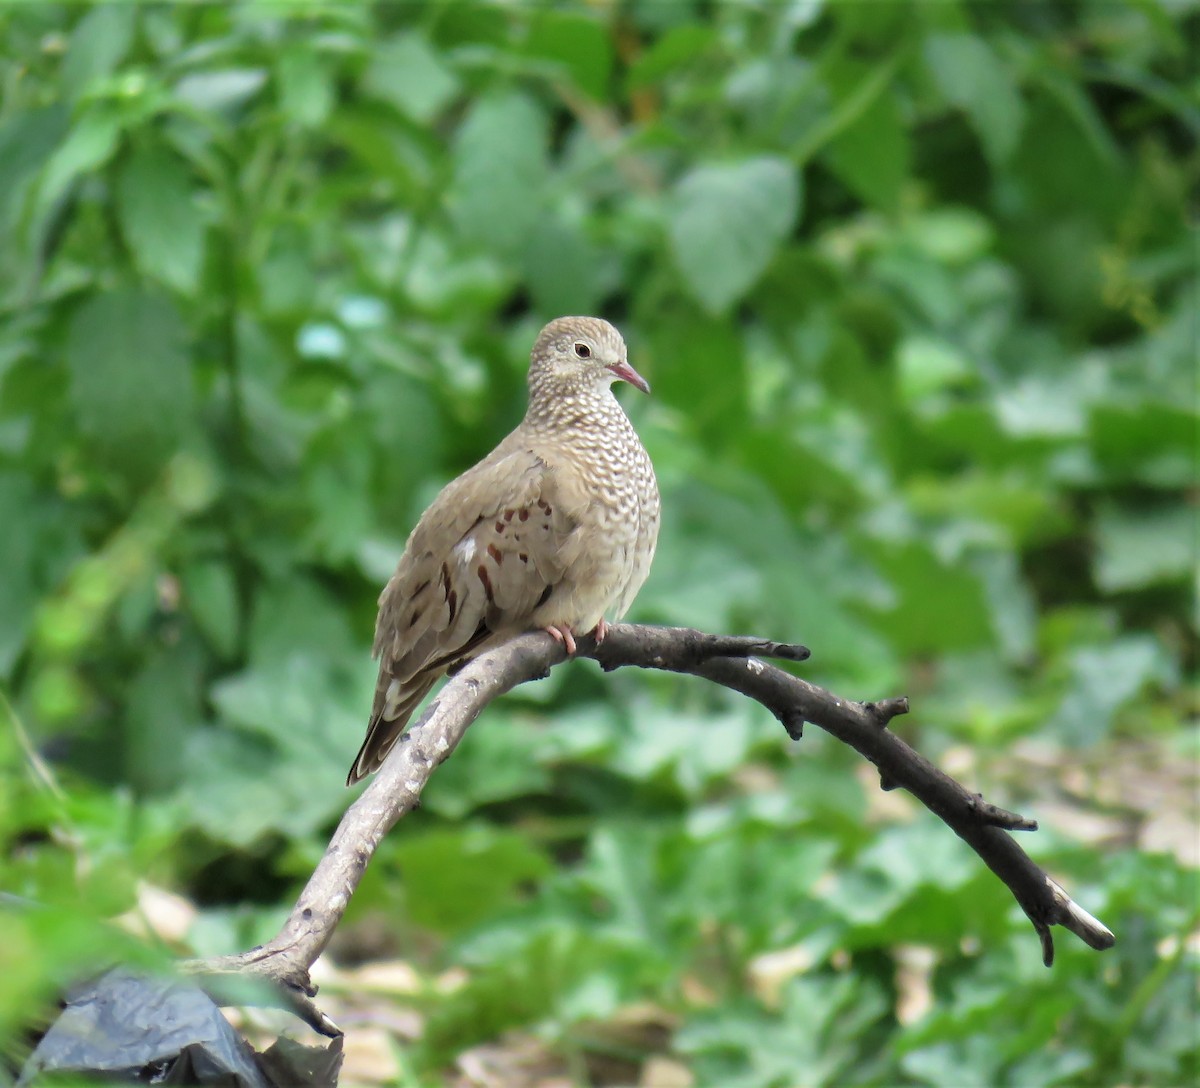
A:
(496, 554)
(544, 597)
(481, 570)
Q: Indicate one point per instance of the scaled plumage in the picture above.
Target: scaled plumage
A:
(554, 529)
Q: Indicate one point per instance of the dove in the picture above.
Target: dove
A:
(555, 530)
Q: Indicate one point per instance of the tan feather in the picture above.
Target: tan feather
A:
(554, 527)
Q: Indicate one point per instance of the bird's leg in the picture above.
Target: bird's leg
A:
(601, 631)
(562, 633)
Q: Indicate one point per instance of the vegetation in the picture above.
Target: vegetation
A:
(915, 289)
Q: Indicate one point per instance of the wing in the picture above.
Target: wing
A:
(487, 553)
(484, 554)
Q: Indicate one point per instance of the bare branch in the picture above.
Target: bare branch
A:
(732, 661)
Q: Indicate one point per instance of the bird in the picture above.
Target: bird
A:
(555, 530)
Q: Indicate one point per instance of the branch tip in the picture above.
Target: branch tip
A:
(1047, 939)
(305, 1008)
(303, 1005)
(789, 651)
(885, 710)
(793, 724)
(995, 816)
(1089, 929)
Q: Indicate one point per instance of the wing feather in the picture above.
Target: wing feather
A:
(483, 558)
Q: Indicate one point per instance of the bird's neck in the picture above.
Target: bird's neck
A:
(588, 411)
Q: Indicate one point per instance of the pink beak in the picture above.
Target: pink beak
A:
(626, 373)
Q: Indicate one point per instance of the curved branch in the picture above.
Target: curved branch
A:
(732, 661)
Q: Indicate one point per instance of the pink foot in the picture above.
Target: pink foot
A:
(564, 635)
(601, 631)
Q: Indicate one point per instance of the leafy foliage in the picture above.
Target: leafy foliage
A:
(916, 291)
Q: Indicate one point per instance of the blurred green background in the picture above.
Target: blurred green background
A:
(916, 290)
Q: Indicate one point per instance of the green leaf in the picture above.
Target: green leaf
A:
(27, 140)
(286, 275)
(953, 1064)
(161, 217)
(499, 172)
(99, 43)
(89, 145)
(306, 91)
(338, 488)
(456, 877)
(407, 72)
(622, 868)
(295, 702)
(667, 742)
(440, 279)
(974, 79)
(503, 759)
(1103, 680)
(1013, 609)
(1148, 442)
(697, 580)
(550, 970)
(130, 384)
(567, 273)
(927, 286)
(725, 223)
(210, 595)
(1136, 549)
(296, 612)
(819, 1029)
(1043, 405)
(939, 607)
(164, 709)
(18, 596)
(743, 868)
(928, 366)
(221, 89)
(951, 235)
(579, 42)
(1022, 505)
(32, 560)
(699, 366)
(276, 762)
(872, 155)
(670, 53)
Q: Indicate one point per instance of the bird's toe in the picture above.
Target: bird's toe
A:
(562, 633)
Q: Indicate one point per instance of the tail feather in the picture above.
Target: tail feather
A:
(382, 734)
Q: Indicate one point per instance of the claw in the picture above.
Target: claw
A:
(601, 631)
(564, 635)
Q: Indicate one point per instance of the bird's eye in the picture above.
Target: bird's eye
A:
(582, 350)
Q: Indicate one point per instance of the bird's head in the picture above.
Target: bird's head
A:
(581, 353)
